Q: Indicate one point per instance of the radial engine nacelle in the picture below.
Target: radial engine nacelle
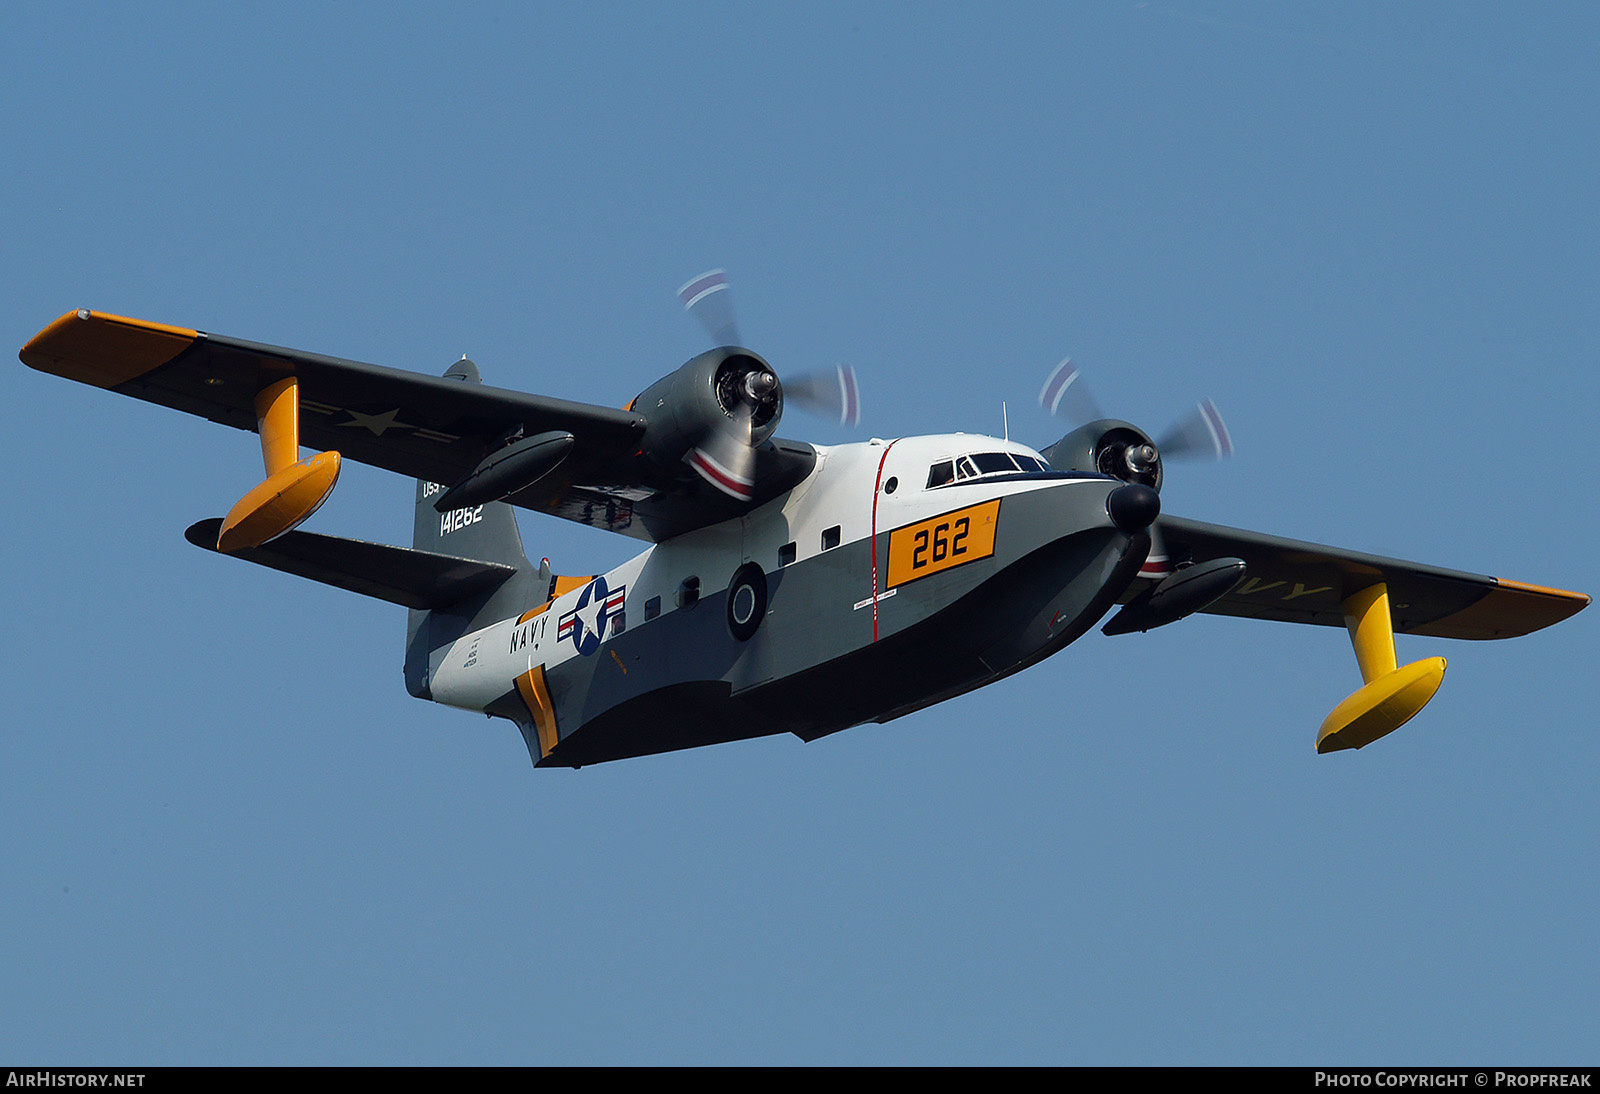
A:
(1108, 447)
(724, 391)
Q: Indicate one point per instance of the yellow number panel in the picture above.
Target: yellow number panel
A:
(940, 543)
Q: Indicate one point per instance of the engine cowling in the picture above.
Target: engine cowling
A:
(1109, 447)
(727, 392)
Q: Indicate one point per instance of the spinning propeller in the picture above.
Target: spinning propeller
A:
(750, 396)
(1199, 434)
(1125, 452)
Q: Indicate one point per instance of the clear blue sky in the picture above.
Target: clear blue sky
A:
(1368, 231)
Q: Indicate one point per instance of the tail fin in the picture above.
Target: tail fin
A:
(482, 533)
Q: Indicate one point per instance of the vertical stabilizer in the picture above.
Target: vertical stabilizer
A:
(484, 533)
(487, 532)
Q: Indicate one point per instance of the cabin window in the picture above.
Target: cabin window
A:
(786, 554)
(889, 487)
(689, 592)
(830, 538)
(941, 473)
(966, 469)
(652, 608)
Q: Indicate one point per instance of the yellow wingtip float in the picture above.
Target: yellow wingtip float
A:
(1391, 696)
(279, 503)
(1382, 706)
(293, 489)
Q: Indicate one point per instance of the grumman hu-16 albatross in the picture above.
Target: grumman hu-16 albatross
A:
(787, 587)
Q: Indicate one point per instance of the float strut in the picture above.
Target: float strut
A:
(1390, 696)
(293, 489)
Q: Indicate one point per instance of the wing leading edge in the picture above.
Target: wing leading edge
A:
(1297, 582)
(424, 427)
(1372, 597)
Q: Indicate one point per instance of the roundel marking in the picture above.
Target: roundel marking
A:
(586, 623)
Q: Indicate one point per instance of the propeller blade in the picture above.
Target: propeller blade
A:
(1200, 434)
(726, 458)
(1064, 395)
(834, 394)
(708, 298)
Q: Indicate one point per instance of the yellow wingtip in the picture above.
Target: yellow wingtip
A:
(103, 349)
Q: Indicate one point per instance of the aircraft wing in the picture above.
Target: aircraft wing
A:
(423, 427)
(1296, 582)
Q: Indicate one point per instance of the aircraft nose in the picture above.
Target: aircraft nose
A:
(1133, 508)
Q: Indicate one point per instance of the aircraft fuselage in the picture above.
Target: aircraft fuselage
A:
(898, 574)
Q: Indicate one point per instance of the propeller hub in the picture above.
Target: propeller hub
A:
(1141, 459)
(745, 392)
(759, 385)
(747, 388)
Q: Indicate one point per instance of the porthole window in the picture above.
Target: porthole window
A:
(747, 602)
(889, 487)
(742, 608)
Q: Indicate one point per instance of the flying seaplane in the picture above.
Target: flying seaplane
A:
(787, 587)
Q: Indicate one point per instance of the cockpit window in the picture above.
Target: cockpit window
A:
(977, 465)
(993, 463)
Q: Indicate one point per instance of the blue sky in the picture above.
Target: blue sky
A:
(1368, 231)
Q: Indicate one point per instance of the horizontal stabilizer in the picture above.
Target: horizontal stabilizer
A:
(401, 575)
